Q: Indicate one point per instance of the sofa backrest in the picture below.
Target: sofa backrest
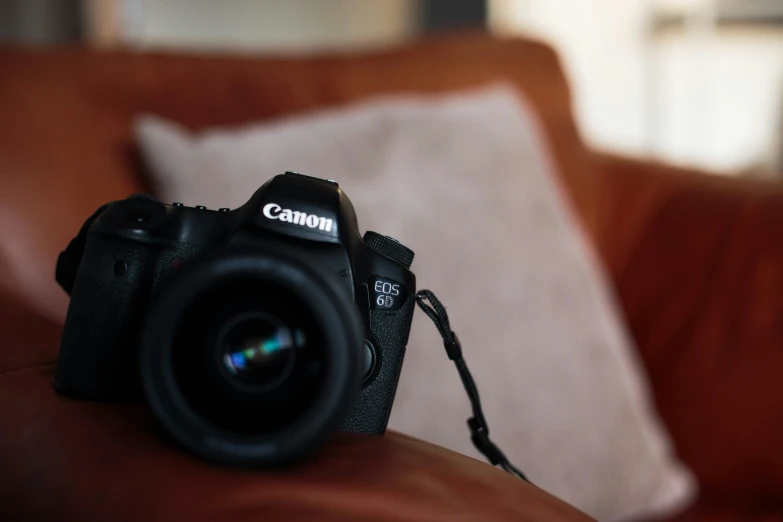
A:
(66, 119)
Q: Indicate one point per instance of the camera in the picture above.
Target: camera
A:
(253, 333)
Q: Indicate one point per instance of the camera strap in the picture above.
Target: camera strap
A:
(479, 430)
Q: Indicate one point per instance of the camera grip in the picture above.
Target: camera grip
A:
(370, 412)
(97, 358)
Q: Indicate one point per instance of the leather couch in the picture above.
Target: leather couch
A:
(696, 262)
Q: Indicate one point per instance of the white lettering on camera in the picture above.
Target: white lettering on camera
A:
(387, 288)
(275, 211)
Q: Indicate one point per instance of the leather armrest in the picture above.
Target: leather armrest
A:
(697, 262)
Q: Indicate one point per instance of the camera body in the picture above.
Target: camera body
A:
(162, 295)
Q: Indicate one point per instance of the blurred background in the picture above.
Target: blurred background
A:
(679, 268)
(692, 82)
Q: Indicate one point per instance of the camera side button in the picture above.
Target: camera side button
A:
(371, 362)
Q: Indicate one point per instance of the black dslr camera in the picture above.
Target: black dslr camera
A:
(254, 333)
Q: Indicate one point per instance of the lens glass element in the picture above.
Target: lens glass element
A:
(259, 350)
(250, 356)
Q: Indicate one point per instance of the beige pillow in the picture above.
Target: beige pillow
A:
(467, 183)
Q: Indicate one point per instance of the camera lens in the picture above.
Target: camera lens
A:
(259, 350)
(252, 358)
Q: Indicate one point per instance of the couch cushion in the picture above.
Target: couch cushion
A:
(467, 184)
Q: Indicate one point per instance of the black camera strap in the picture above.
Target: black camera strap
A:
(479, 430)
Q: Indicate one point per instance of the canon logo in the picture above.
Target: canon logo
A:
(275, 211)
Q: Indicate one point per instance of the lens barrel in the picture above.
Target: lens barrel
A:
(252, 358)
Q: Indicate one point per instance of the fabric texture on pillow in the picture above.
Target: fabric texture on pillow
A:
(467, 183)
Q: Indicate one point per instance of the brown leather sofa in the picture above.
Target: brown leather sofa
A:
(696, 260)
